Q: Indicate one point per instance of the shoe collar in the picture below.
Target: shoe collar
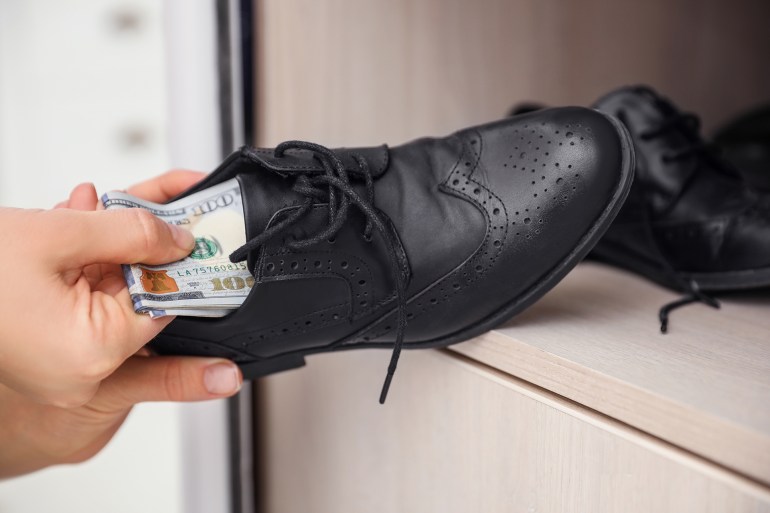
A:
(302, 161)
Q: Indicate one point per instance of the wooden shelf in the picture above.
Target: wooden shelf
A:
(594, 339)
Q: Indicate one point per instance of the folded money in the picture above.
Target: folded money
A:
(205, 283)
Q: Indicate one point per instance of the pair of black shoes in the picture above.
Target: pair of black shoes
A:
(436, 241)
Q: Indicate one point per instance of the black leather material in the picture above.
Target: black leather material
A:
(302, 160)
(690, 210)
(745, 143)
(485, 221)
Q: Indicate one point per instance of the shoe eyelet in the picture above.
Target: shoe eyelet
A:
(331, 240)
(368, 237)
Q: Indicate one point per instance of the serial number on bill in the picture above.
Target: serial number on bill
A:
(210, 269)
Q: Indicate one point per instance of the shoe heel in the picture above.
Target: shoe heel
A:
(263, 368)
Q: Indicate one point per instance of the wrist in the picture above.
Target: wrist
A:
(18, 454)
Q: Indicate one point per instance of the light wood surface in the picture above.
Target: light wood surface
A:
(704, 386)
(456, 436)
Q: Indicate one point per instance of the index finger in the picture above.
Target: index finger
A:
(166, 186)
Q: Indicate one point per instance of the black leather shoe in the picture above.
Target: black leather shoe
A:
(422, 245)
(690, 222)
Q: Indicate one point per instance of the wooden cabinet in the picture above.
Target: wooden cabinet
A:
(579, 404)
(592, 411)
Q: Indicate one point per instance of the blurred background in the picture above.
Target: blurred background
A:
(116, 91)
(403, 69)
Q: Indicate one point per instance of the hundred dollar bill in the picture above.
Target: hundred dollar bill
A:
(205, 283)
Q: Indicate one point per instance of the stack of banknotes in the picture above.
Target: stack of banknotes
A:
(206, 283)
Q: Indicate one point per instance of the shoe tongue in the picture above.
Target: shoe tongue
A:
(642, 107)
(266, 197)
(662, 103)
(643, 110)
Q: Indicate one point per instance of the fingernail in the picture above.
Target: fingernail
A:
(183, 238)
(222, 379)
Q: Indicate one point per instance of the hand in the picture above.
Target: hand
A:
(67, 319)
(35, 435)
(69, 333)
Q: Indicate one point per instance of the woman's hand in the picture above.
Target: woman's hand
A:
(35, 435)
(71, 361)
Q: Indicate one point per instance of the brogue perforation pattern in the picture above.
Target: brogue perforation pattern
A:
(530, 151)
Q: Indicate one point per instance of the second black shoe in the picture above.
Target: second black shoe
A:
(422, 245)
(690, 222)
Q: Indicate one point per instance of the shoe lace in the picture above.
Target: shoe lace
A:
(693, 296)
(691, 289)
(689, 124)
(333, 188)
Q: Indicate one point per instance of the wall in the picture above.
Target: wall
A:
(345, 72)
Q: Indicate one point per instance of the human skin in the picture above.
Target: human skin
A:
(72, 362)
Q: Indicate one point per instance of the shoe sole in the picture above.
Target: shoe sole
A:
(722, 281)
(522, 302)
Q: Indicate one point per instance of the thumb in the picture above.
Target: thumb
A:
(167, 378)
(125, 236)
